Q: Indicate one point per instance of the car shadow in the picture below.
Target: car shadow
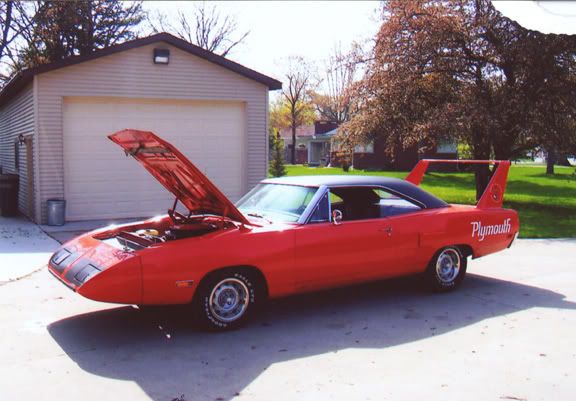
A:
(168, 359)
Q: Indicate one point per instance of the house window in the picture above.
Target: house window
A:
(16, 156)
(446, 146)
(364, 148)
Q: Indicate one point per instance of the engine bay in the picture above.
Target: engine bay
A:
(170, 228)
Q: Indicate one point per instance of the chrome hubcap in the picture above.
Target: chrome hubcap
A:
(229, 299)
(448, 265)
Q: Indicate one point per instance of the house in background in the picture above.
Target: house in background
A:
(374, 155)
(312, 143)
(54, 120)
(316, 145)
(303, 135)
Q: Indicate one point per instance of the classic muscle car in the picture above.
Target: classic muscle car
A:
(286, 236)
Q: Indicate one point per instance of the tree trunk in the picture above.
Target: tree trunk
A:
(483, 175)
(293, 155)
(7, 26)
(481, 151)
(550, 160)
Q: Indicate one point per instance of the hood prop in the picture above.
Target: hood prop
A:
(173, 209)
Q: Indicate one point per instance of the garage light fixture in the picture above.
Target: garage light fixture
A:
(161, 56)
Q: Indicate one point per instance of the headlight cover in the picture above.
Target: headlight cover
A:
(61, 259)
(87, 273)
(60, 256)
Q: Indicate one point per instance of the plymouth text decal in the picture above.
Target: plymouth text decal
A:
(481, 231)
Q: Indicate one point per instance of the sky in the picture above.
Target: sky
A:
(313, 29)
(544, 16)
(279, 29)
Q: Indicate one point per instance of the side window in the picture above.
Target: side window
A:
(364, 203)
(322, 212)
(392, 205)
(355, 203)
(335, 201)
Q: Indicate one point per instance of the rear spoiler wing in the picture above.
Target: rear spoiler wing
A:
(493, 195)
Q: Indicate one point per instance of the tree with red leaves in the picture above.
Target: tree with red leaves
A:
(459, 70)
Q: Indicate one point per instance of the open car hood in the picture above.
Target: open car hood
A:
(176, 173)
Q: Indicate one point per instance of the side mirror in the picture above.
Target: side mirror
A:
(336, 217)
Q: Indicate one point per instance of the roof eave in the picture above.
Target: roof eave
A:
(23, 78)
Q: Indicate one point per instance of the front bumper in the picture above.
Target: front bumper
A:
(61, 280)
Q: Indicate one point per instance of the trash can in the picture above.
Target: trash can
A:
(9, 194)
(56, 211)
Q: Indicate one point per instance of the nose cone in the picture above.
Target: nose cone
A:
(98, 271)
(69, 265)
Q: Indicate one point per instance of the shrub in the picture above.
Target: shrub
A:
(276, 167)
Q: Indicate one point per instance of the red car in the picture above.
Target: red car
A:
(286, 236)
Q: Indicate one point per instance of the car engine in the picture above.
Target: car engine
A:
(142, 236)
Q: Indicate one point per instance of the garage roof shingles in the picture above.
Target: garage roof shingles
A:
(23, 78)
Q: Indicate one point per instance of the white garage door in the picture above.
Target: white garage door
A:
(100, 182)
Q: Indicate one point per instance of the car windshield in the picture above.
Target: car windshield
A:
(276, 202)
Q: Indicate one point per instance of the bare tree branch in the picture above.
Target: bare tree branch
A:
(301, 81)
(204, 26)
(340, 71)
(14, 22)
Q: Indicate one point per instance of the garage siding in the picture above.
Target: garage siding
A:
(17, 117)
(132, 74)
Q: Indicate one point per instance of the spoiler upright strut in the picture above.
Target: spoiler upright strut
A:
(493, 195)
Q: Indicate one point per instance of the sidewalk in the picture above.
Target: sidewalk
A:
(24, 248)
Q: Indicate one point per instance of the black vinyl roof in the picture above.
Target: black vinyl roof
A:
(396, 185)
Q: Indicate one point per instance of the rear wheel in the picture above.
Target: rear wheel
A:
(447, 269)
(227, 299)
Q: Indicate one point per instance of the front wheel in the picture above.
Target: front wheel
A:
(447, 269)
(226, 299)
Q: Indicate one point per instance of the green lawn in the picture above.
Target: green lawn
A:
(547, 204)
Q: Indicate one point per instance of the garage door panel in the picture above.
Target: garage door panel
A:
(117, 209)
(165, 199)
(86, 193)
(101, 182)
(125, 170)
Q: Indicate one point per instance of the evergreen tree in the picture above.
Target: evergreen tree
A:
(60, 29)
(277, 168)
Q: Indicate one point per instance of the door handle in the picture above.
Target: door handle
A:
(387, 230)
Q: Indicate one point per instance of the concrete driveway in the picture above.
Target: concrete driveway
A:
(508, 334)
(24, 248)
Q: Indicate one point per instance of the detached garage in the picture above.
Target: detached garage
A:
(54, 120)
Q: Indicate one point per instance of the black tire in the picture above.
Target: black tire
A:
(227, 299)
(447, 269)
